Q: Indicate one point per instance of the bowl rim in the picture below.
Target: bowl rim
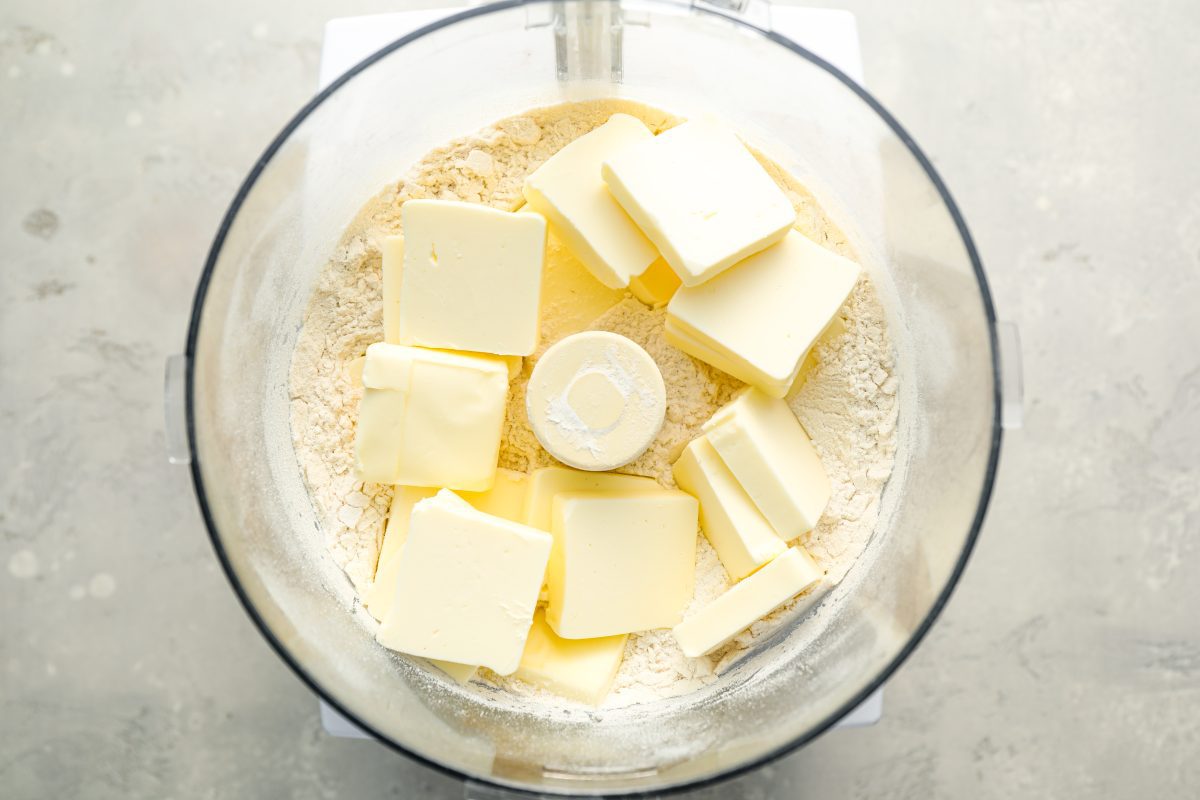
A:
(778, 752)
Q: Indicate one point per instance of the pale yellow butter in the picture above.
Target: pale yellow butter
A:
(595, 400)
(505, 499)
(379, 437)
(569, 191)
(514, 364)
(700, 197)
(430, 418)
(698, 349)
(379, 597)
(472, 277)
(461, 673)
(765, 447)
(393, 267)
(582, 669)
(354, 370)
(572, 298)
(657, 285)
(740, 534)
(548, 482)
(758, 320)
(621, 562)
(749, 600)
(467, 586)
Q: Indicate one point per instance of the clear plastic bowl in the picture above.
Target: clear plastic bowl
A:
(454, 77)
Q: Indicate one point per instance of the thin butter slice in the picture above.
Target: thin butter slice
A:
(572, 298)
(765, 447)
(378, 599)
(461, 673)
(393, 266)
(505, 499)
(548, 482)
(700, 197)
(581, 669)
(467, 586)
(430, 417)
(748, 601)
(657, 285)
(758, 320)
(570, 193)
(740, 534)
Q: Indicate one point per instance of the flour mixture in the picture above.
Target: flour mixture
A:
(845, 396)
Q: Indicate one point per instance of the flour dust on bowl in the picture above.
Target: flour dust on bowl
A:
(510, 76)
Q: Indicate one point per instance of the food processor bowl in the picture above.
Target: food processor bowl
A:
(447, 80)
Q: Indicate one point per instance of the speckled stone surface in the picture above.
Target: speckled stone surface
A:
(1068, 663)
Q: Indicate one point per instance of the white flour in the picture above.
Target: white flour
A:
(846, 397)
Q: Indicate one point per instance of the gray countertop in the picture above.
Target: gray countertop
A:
(1068, 662)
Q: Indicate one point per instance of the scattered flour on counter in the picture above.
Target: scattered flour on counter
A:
(846, 397)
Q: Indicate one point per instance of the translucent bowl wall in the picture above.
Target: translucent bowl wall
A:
(455, 77)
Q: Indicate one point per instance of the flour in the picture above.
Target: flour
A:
(845, 397)
(344, 316)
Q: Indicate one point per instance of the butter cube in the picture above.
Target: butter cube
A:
(697, 349)
(467, 586)
(758, 320)
(393, 267)
(748, 601)
(472, 277)
(700, 197)
(548, 482)
(581, 669)
(621, 562)
(740, 534)
(765, 447)
(656, 286)
(570, 193)
(506, 499)
(430, 418)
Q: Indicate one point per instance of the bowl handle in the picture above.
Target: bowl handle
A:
(175, 409)
(1012, 380)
